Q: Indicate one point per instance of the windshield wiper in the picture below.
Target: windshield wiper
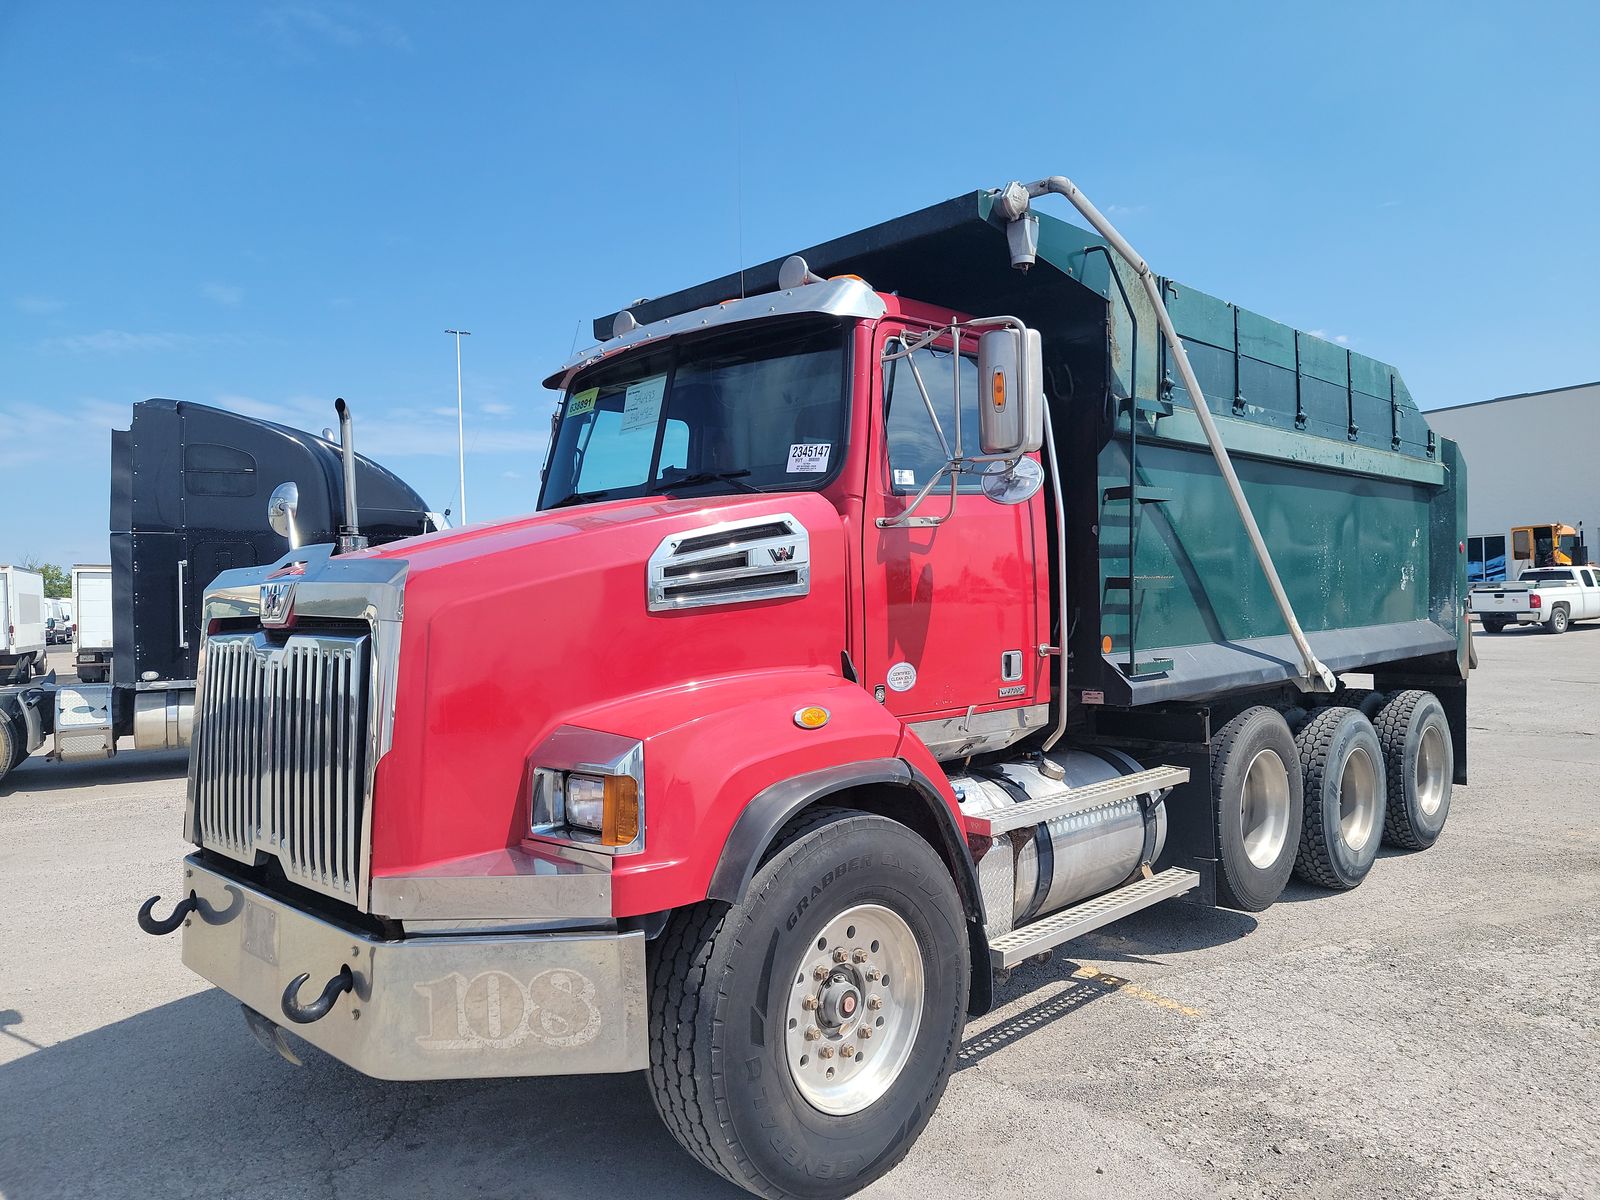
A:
(733, 477)
(580, 498)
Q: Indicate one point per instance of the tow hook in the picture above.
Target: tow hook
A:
(156, 928)
(304, 1014)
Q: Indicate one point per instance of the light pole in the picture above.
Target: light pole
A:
(461, 437)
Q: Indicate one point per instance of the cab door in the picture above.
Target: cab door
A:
(955, 612)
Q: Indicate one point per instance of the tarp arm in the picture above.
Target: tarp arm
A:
(1011, 202)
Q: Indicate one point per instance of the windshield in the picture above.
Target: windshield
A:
(756, 409)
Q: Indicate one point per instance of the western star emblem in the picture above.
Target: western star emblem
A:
(277, 602)
(781, 553)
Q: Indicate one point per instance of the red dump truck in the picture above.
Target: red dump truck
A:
(891, 615)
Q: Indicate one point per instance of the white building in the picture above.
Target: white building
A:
(1532, 459)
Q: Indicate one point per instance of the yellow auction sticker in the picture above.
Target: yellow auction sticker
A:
(582, 402)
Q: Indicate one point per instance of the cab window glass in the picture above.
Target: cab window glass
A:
(915, 454)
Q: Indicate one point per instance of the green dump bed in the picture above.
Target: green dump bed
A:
(1361, 505)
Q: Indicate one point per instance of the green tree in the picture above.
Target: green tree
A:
(57, 583)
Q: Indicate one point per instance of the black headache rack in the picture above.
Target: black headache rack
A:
(189, 492)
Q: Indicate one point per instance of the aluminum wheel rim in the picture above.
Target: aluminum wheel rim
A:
(1264, 809)
(1430, 770)
(1358, 799)
(855, 1005)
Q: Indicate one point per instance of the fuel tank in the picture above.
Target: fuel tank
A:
(1031, 872)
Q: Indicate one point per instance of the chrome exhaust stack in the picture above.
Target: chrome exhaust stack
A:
(350, 531)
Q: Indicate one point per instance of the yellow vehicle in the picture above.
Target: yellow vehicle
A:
(1553, 545)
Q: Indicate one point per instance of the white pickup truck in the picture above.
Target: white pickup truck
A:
(1554, 597)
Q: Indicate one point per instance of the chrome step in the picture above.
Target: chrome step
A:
(1046, 933)
(1070, 800)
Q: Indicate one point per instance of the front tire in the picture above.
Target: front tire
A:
(752, 1012)
(1343, 767)
(1257, 794)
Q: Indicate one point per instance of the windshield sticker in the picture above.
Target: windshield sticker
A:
(582, 402)
(904, 478)
(641, 404)
(809, 458)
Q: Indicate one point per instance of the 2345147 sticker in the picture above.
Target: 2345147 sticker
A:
(809, 458)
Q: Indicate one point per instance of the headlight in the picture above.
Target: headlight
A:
(586, 787)
(586, 802)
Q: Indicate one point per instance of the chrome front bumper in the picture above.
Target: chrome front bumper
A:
(439, 1007)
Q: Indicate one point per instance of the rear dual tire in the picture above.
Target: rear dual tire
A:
(1258, 793)
(1419, 768)
(1343, 767)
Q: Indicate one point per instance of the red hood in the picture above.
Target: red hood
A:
(512, 629)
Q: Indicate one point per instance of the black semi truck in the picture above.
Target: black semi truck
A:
(191, 490)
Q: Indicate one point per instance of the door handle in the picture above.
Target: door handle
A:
(183, 629)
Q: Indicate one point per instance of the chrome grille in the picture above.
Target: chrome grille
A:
(280, 752)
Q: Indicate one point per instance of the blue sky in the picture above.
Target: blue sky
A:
(265, 206)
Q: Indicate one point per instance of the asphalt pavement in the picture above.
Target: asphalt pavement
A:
(1435, 1032)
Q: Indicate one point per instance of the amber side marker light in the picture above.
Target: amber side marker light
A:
(1105, 645)
(999, 390)
(622, 811)
(812, 716)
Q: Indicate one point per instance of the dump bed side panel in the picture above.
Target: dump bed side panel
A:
(1351, 490)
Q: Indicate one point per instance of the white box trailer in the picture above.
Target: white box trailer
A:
(91, 604)
(21, 623)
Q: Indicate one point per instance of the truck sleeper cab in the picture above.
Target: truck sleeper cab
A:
(870, 646)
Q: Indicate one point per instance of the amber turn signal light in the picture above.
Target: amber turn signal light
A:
(812, 716)
(622, 811)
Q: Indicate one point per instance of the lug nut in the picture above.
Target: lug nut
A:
(847, 1051)
(825, 1052)
(819, 973)
(809, 1004)
(874, 1002)
(812, 1033)
(864, 1032)
(839, 955)
(859, 955)
(872, 974)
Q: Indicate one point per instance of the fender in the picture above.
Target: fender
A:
(771, 810)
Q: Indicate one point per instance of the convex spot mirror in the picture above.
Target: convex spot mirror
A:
(1011, 391)
(1013, 482)
(281, 508)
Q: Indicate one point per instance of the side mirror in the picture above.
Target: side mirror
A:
(281, 508)
(1010, 391)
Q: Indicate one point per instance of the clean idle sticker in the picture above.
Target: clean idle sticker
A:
(902, 677)
(809, 458)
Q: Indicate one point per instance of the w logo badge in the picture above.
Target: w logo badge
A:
(277, 602)
(781, 553)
